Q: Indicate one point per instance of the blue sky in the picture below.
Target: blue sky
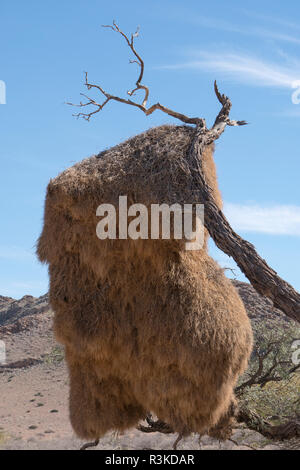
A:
(250, 48)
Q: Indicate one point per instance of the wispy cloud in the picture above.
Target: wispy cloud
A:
(289, 113)
(272, 19)
(276, 220)
(244, 68)
(261, 32)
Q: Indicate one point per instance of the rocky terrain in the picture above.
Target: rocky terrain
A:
(258, 307)
(34, 386)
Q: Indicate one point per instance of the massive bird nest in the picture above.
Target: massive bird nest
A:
(146, 324)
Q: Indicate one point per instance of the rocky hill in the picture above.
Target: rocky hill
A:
(14, 311)
(258, 307)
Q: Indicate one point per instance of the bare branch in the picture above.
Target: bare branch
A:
(255, 378)
(230, 269)
(221, 121)
(262, 376)
(155, 426)
(139, 60)
(287, 430)
(90, 444)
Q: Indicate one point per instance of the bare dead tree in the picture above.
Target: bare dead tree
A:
(262, 277)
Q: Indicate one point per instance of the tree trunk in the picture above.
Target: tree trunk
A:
(263, 278)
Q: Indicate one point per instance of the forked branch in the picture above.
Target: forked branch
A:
(221, 121)
(138, 61)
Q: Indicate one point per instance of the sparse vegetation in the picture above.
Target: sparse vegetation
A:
(55, 356)
(269, 390)
(3, 437)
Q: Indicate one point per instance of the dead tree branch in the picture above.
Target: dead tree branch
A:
(89, 444)
(287, 430)
(155, 426)
(263, 278)
(139, 86)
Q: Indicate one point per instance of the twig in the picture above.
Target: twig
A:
(90, 444)
(180, 436)
(155, 426)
